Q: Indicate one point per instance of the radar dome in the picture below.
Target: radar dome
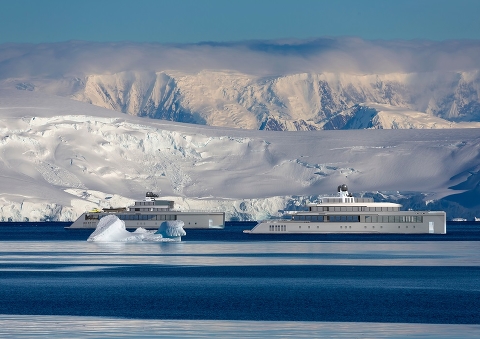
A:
(344, 188)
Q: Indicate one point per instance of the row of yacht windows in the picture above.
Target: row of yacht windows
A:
(331, 218)
(151, 209)
(394, 218)
(352, 209)
(144, 203)
(134, 216)
(356, 218)
(275, 228)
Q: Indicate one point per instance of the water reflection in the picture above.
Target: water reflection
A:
(100, 255)
(16, 326)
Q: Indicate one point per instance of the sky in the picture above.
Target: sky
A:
(193, 21)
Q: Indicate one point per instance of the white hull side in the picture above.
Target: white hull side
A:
(433, 223)
(191, 220)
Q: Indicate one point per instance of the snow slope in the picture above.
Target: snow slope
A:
(60, 157)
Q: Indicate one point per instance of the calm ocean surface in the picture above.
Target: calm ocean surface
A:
(224, 284)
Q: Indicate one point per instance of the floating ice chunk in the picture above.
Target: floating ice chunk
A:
(111, 229)
(171, 229)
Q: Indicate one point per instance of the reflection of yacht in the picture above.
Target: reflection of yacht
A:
(347, 214)
(150, 213)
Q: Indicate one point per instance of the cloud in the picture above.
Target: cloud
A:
(262, 57)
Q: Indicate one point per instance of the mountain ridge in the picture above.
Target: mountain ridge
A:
(272, 84)
(294, 102)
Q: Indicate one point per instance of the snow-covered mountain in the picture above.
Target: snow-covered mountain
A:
(60, 157)
(378, 116)
(268, 85)
(292, 102)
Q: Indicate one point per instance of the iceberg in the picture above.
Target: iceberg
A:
(111, 229)
(171, 229)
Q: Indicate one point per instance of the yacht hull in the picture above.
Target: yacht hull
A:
(191, 220)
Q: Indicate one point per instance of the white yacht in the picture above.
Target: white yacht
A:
(150, 213)
(347, 214)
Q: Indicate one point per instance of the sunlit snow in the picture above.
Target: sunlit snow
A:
(283, 84)
(60, 158)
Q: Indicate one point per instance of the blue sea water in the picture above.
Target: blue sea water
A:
(224, 283)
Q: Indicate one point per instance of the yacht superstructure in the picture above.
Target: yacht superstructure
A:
(150, 213)
(347, 214)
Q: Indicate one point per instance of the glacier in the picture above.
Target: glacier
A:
(60, 158)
